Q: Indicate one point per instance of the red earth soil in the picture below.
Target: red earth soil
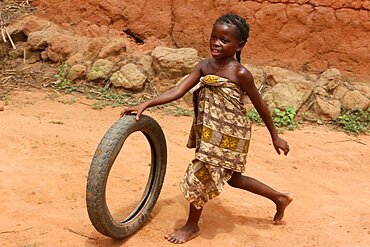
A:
(46, 147)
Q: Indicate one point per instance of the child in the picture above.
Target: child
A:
(220, 132)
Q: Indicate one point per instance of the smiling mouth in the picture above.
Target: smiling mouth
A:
(214, 51)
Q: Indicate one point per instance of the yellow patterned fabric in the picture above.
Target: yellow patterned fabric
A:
(203, 182)
(221, 131)
(220, 134)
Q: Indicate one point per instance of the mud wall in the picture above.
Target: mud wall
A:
(302, 35)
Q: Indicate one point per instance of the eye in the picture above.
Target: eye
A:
(225, 41)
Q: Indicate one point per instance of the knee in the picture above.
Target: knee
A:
(231, 183)
(234, 181)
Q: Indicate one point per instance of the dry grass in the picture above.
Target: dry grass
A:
(10, 10)
(12, 74)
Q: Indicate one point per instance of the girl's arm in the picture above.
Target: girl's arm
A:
(168, 96)
(247, 84)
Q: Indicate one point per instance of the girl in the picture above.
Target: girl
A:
(220, 132)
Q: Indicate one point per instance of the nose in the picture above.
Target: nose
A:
(216, 42)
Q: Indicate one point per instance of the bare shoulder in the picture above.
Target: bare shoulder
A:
(199, 68)
(204, 63)
(244, 77)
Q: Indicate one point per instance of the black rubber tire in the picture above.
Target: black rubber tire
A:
(104, 157)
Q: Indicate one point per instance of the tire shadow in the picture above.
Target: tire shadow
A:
(98, 239)
(217, 217)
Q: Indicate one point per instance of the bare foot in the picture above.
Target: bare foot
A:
(282, 202)
(183, 235)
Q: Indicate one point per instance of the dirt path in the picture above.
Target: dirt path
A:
(46, 149)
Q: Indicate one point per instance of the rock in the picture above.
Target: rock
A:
(321, 91)
(327, 108)
(330, 79)
(77, 58)
(2, 108)
(355, 100)
(364, 88)
(129, 77)
(274, 75)
(330, 74)
(289, 89)
(77, 71)
(145, 62)
(37, 41)
(312, 77)
(100, 70)
(118, 79)
(44, 56)
(32, 56)
(172, 64)
(312, 35)
(114, 48)
(339, 92)
(94, 47)
(60, 47)
(29, 24)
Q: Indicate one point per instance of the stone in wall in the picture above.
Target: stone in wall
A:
(129, 77)
(100, 70)
(289, 89)
(329, 109)
(171, 64)
(355, 100)
(77, 71)
(301, 35)
(167, 65)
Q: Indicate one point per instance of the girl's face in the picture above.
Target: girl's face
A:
(225, 41)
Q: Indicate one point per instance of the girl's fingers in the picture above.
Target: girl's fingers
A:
(125, 112)
(286, 150)
(138, 114)
(136, 109)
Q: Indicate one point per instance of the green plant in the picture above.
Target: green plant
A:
(107, 97)
(97, 105)
(30, 245)
(69, 101)
(309, 117)
(62, 82)
(5, 99)
(285, 118)
(254, 117)
(355, 121)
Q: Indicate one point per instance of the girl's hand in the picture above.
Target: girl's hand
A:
(137, 108)
(280, 143)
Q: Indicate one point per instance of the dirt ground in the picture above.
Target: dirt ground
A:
(46, 147)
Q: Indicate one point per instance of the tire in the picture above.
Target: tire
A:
(104, 157)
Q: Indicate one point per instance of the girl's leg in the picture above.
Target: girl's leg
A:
(189, 231)
(282, 200)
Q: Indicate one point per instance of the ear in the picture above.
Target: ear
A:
(240, 46)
